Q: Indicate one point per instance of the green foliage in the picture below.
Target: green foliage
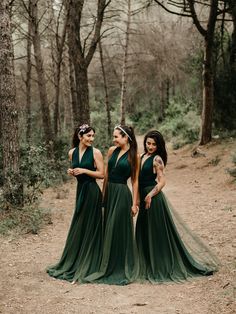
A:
(181, 124)
(39, 172)
(27, 220)
(214, 161)
(232, 171)
(234, 158)
(144, 120)
(99, 121)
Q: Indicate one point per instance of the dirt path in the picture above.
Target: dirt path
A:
(201, 192)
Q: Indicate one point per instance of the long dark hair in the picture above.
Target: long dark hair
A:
(133, 150)
(160, 142)
(81, 130)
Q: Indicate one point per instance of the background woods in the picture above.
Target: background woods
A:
(164, 64)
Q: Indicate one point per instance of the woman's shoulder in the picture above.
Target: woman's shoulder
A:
(97, 152)
(111, 150)
(70, 153)
(158, 162)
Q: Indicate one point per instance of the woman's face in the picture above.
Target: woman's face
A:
(87, 138)
(151, 145)
(118, 139)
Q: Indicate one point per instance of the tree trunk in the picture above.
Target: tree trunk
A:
(66, 99)
(108, 109)
(208, 78)
(28, 85)
(233, 42)
(78, 49)
(82, 91)
(41, 78)
(57, 44)
(74, 102)
(124, 68)
(208, 96)
(12, 189)
(167, 91)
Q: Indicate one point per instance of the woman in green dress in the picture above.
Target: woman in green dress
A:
(163, 254)
(82, 252)
(119, 259)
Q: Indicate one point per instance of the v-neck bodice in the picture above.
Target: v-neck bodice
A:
(119, 170)
(87, 161)
(146, 175)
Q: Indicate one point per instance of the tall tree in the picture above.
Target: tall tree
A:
(57, 40)
(13, 191)
(81, 53)
(232, 12)
(188, 8)
(28, 84)
(125, 60)
(107, 103)
(33, 15)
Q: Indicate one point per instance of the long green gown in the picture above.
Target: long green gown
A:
(163, 256)
(82, 252)
(119, 259)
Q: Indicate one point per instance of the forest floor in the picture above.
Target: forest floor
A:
(205, 197)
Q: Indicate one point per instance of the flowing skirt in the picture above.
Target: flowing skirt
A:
(82, 252)
(163, 256)
(119, 259)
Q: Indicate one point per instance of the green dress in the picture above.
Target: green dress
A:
(119, 259)
(163, 255)
(82, 252)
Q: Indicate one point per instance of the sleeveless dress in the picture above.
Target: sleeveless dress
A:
(163, 256)
(119, 259)
(82, 252)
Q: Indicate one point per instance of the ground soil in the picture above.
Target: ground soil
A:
(203, 194)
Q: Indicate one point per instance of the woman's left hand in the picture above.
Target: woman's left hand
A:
(78, 171)
(134, 210)
(148, 200)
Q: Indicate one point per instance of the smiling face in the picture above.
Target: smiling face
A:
(87, 138)
(151, 145)
(118, 139)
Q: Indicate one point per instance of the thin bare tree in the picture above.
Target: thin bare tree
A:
(124, 67)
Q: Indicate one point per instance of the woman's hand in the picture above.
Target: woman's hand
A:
(70, 171)
(148, 200)
(78, 171)
(134, 210)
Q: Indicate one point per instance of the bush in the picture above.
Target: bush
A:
(182, 123)
(27, 220)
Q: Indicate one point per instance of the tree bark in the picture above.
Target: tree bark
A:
(80, 54)
(74, 102)
(12, 189)
(57, 44)
(41, 77)
(233, 38)
(28, 84)
(124, 68)
(107, 103)
(208, 77)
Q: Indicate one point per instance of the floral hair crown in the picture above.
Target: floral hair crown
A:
(83, 128)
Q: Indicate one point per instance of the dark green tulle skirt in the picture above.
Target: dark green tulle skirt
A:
(163, 255)
(82, 252)
(119, 259)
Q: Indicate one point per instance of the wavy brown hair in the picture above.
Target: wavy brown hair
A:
(133, 151)
(160, 143)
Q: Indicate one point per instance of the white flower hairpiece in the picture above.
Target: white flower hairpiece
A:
(83, 128)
